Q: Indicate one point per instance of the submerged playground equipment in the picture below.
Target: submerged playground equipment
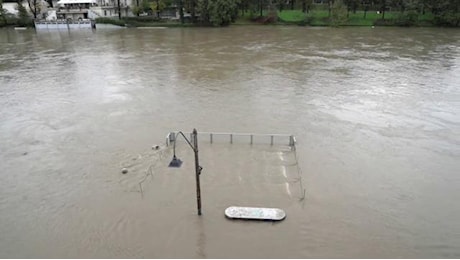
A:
(233, 212)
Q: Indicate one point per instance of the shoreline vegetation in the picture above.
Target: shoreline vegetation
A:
(290, 17)
(299, 18)
(335, 13)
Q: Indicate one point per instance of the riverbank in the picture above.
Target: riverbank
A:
(292, 17)
(298, 18)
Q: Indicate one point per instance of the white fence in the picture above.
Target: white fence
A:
(64, 24)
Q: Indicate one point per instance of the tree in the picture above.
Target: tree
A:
(218, 12)
(281, 6)
(34, 7)
(249, 5)
(352, 5)
(181, 10)
(158, 6)
(244, 6)
(425, 5)
(193, 10)
(338, 13)
(366, 4)
(136, 10)
(383, 7)
(329, 6)
(3, 13)
(24, 18)
(414, 5)
(447, 12)
(306, 5)
(261, 7)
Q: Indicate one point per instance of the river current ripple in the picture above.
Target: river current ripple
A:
(375, 112)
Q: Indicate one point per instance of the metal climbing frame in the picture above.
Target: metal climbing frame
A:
(250, 138)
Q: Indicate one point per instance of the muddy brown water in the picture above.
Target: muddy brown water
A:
(375, 112)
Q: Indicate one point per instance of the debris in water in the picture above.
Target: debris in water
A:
(124, 171)
(155, 147)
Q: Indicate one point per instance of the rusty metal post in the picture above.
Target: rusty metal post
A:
(197, 171)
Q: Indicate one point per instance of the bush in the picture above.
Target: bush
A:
(142, 19)
(106, 20)
(265, 19)
(384, 22)
(448, 18)
(218, 12)
(338, 14)
(7, 19)
(24, 18)
(409, 18)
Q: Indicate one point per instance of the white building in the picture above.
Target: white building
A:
(109, 8)
(91, 9)
(77, 9)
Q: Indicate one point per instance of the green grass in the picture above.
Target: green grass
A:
(357, 19)
(291, 16)
(426, 17)
(243, 19)
(321, 18)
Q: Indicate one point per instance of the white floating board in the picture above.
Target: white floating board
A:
(255, 213)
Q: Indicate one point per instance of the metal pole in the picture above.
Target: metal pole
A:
(197, 171)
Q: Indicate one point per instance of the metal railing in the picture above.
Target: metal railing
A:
(250, 138)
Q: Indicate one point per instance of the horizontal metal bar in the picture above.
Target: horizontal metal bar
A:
(239, 134)
(290, 139)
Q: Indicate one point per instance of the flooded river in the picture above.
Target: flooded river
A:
(375, 112)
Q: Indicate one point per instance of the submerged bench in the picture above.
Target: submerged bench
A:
(254, 213)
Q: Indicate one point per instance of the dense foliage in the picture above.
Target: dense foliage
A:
(385, 12)
(5, 17)
(105, 20)
(338, 14)
(218, 12)
(391, 12)
(24, 18)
